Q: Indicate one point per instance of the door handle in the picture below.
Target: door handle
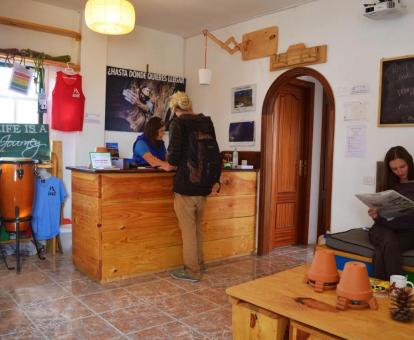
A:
(301, 167)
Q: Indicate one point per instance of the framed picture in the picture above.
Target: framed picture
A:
(241, 133)
(243, 98)
(396, 93)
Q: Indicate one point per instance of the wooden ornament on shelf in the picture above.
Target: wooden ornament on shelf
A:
(299, 55)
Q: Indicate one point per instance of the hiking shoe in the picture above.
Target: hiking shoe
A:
(182, 274)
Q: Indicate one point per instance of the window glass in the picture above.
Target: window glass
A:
(7, 110)
(16, 107)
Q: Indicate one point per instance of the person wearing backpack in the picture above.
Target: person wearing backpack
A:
(193, 149)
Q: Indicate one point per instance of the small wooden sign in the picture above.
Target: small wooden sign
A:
(25, 140)
(259, 44)
(299, 55)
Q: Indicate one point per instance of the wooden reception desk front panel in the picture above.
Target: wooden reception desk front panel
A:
(124, 223)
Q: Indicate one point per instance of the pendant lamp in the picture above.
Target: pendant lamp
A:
(113, 17)
(204, 74)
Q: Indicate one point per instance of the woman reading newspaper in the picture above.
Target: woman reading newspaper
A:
(392, 237)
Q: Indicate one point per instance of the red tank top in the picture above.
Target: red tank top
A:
(68, 103)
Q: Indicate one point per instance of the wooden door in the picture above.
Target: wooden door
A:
(291, 161)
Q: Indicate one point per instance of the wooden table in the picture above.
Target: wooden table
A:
(262, 309)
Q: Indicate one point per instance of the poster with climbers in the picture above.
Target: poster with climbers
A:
(133, 97)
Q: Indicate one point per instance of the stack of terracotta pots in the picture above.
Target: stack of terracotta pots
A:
(353, 289)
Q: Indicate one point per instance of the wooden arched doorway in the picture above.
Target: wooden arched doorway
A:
(269, 115)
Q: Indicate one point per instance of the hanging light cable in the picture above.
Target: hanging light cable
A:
(204, 74)
(112, 17)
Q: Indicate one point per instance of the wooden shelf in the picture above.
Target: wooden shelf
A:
(39, 27)
(17, 58)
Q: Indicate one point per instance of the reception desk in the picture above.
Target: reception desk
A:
(123, 221)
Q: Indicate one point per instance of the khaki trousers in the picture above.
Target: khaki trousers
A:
(190, 211)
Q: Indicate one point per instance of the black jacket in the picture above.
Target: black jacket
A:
(178, 150)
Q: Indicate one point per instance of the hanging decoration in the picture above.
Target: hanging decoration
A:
(113, 17)
(21, 78)
(204, 74)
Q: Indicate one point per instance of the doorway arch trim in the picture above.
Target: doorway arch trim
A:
(266, 158)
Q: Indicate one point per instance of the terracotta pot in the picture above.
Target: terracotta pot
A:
(322, 274)
(354, 284)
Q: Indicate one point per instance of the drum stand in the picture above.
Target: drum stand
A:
(18, 263)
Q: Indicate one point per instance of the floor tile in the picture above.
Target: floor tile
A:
(6, 302)
(135, 280)
(109, 300)
(215, 324)
(25, 335)
(154, 289)
(91, 328)
(181, 306)
(83, 286)
(49, 313)
(188, 285)
(22, 280)
(136, 318)
(169, 331)
(68, 305)
(64, 274)
(13, 321)
(215, 295)
(34, 294)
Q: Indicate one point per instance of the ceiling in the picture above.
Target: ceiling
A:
(189, 17)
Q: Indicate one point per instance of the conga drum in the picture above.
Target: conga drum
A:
(17, 181)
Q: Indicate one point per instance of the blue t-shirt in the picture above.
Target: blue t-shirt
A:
(49, 196)
(142, 146)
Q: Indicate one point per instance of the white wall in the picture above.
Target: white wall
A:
(13, 37)
(355, 46)
(316, 159)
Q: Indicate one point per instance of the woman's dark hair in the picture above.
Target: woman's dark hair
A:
(151, 130)
(396, 152)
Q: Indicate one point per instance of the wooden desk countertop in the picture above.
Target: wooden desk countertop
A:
(276, 293)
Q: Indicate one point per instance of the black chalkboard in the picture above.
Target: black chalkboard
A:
(396, 103)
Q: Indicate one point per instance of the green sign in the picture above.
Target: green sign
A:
(25, 140)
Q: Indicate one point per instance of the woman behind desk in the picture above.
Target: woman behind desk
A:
(149, 148)
(392, 237)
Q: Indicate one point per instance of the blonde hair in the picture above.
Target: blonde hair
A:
(180, 100)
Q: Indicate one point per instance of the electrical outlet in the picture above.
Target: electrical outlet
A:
(368, 180)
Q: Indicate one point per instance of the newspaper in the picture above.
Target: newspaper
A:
(389, 203)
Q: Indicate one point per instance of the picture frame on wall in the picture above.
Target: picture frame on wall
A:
(243, 98)
(242, 133)
(396, 95)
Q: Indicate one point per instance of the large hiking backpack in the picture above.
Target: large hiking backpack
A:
(204, 161)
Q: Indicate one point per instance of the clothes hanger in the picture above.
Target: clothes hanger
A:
(69, 71)
(44, 174)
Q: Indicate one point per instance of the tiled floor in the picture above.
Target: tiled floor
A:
(51, 300)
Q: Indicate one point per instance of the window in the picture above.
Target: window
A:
(16, 107)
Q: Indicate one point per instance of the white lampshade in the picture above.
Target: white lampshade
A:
(110, 16)
(204, 76)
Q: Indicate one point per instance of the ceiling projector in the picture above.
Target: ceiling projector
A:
(384, 8)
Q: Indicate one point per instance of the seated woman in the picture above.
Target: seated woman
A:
(392, 237)
(149, 148)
